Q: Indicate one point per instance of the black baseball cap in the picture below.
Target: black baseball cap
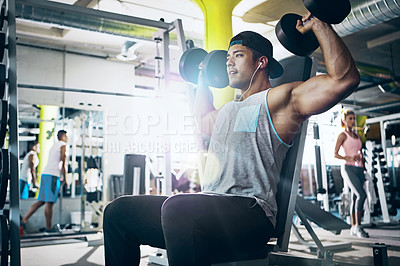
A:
(261, 44)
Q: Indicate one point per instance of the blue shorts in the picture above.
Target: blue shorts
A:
(23, 189)
(49, 188)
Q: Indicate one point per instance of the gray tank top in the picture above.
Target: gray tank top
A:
(245, 153)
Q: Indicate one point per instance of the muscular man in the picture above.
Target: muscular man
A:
(50, 181)
(236, 210)
(28, 171)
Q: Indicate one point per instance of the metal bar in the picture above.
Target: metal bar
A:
(373, 84)
(84, 11)
(83, 195)
(382, 118)
(165, 57)
(300, 237)
(379, 183)
(309, 229)
(283, 242)
(51, 88)
(15, 245)
(384, 39)
(379, 107)
(180, 35)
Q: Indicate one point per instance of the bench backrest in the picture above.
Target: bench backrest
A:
(300, 70)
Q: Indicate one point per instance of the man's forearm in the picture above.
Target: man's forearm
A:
(33, 173)
(64, 170)
(339, 62)
(203, 103)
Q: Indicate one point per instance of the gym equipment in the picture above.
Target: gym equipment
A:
(3, 77)
(332, 12)
(4, 176)
(214, 69)
(4, 240)
(378, 171)
(320, 217)
(4, 120)
(134, 174)
(2, 15)
(211, 65)
(2, 45)
(189, 64)
(116, 188)
(380, 254)
(309, 211)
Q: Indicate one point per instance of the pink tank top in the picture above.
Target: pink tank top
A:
(351, 147)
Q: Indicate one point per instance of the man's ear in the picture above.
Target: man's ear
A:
(263, 62)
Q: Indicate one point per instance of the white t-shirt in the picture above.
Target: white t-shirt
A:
(26, 173)
(54, 163)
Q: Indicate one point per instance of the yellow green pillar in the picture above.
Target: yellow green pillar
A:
(46, 135)
(218, 32)
(360, 121)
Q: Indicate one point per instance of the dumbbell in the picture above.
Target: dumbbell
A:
(212, 66)
(329, 11)
(4, 176)
(3, 122)
(4, 238)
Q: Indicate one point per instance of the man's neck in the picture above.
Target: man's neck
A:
(258, 85)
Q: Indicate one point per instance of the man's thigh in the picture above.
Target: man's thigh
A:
(139, 217)
(221, 222)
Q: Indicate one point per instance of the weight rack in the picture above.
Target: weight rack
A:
(10, 171)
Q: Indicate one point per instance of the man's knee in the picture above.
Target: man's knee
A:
(112, 210)
(174, 207)
(117, 209)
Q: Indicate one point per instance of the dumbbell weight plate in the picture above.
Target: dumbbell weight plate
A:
(4, 237)
(4, 176)
(292, 39)
(2, 45)
(214, 69)
(189, 64)
(2, 80)
(331, 12)
(3, 122)
(2, 15)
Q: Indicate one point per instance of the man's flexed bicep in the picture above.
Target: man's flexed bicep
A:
(319, 94)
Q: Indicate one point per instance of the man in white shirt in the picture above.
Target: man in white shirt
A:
(52, 176)
(28, 171)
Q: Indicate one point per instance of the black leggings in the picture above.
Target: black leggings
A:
(196, 229)
(356, 184)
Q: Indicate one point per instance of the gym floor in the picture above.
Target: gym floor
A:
(79, 252)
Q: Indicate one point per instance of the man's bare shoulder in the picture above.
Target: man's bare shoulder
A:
(280, 96)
